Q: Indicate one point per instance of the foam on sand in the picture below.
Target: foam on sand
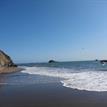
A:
(86, 80)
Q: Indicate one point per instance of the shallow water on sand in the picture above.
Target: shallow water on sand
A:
(81, 75)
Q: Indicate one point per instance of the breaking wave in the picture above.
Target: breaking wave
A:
(82, 80)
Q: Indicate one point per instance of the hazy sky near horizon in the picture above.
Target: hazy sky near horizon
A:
(64, 30)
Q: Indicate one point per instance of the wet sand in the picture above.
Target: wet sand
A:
(49, 95)
(4, 70)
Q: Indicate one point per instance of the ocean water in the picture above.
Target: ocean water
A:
(81, 75)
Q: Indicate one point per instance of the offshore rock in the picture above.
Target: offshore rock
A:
(51, 61)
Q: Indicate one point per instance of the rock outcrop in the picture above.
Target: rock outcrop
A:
(5, 60)
(51, 61)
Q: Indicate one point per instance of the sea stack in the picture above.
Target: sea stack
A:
(51, 61)
(6, 63)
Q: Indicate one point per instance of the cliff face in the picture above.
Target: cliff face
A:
(5, 60)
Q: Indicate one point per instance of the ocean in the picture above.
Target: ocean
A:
(80, 75)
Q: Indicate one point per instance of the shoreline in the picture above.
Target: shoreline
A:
(5, 70)
(18, 89)
(49, 95)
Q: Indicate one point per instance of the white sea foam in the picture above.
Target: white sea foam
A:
(86, 80)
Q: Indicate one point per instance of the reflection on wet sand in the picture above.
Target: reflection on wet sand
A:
(2, 80)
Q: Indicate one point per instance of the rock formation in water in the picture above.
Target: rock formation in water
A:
(5, 60)
(51, 61)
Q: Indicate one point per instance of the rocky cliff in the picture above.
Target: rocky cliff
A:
(5, 60)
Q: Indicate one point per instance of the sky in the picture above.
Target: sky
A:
(63, 30)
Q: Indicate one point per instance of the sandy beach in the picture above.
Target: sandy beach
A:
(42, 87)
(49, 95)
(4, 70)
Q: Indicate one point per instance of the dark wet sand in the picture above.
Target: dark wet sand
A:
(49, 95)
(5, 70)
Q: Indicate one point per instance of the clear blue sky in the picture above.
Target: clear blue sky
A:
(64, 30)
